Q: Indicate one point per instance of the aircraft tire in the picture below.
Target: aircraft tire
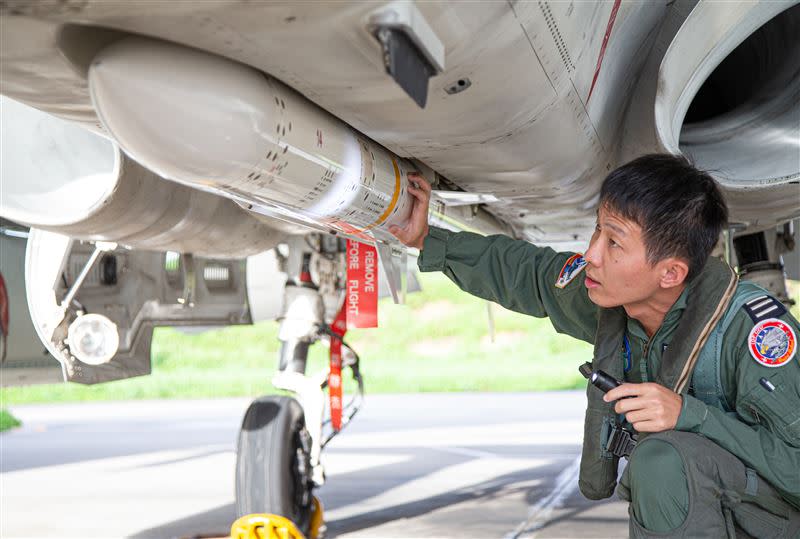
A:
(273, 468)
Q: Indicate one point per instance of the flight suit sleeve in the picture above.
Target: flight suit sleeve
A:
(516, 274)
(765, 431)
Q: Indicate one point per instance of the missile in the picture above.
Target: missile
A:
(224, 127)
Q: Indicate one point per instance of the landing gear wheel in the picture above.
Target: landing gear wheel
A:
(273, 466)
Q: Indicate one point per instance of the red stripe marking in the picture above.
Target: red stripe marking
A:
(610, 25)
(339, 327)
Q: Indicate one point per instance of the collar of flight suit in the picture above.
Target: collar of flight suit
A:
(670, 319)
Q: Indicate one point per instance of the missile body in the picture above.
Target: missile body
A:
(217, 125)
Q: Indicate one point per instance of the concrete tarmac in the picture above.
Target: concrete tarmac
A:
(424, 465)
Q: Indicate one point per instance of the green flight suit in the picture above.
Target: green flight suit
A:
(765, 438)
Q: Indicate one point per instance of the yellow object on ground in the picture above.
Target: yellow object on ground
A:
(265, 526)
(316, 519)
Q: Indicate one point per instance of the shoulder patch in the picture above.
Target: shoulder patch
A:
(763, 307)
(772, 342)
(572, 267)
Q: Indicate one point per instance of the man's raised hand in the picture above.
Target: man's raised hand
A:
(414, 231)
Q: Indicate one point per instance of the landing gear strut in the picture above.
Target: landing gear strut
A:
(278, 460)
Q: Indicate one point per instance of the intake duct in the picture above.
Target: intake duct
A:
(729, 99)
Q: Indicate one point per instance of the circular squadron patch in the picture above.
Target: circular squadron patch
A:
(772, 343)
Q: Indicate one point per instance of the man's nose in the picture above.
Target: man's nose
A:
(592, 254)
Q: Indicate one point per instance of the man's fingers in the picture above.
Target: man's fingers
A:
(419, 194)
(415, 229)
(402, 236)
(418, 189)
(637, 416)
(419, 207)
(399, 233)
(624, 390)
(624, 406)
(420, 180)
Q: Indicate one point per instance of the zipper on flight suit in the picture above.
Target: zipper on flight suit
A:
(755, 413)
(645, 373)
(643, 362)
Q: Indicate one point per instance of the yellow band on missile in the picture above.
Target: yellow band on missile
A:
(395, 197)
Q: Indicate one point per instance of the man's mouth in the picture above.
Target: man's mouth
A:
(591, 283)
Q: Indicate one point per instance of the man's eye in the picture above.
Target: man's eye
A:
(612, 243)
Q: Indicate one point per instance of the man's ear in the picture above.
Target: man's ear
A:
(673, 272)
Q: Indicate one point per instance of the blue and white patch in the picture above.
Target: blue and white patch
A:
(772, 343)
(572, 267)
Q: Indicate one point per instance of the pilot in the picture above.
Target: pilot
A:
(708, 414)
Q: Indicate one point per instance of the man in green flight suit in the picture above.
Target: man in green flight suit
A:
(711, 392)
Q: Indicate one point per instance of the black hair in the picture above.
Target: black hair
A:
(679, 208)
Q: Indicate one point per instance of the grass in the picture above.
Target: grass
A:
(438, 341)
(7, 421)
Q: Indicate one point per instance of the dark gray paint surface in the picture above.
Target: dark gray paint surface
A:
(431, 465)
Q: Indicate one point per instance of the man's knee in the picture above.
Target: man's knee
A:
(658, 487)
